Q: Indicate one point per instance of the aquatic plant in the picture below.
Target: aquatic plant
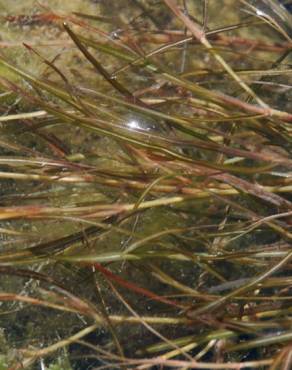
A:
(145, 186)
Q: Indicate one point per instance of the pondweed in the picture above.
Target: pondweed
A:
(145, 185)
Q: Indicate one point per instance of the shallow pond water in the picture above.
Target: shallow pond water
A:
(143, 182)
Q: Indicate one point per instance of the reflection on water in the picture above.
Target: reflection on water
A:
(275, 12)
(140, 122)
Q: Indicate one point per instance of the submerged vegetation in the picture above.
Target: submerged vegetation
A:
(145, 185)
